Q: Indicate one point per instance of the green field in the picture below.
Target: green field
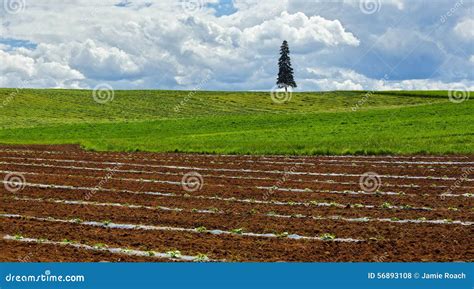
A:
(241, 122)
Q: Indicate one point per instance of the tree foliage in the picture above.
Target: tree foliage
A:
(285, 73)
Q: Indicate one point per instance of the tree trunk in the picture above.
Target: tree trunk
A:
(286, 89)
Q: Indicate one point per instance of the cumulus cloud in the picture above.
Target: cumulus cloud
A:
(465, 29)
(169, 44)
(345, 79)
(18, 70)
(305, 33)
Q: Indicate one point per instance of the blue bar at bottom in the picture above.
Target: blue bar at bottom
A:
(236, 275)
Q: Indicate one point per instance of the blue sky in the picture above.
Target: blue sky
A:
(234, 44)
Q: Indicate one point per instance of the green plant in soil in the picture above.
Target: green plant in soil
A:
(387, 205)
(201, 258)
(100, 246)
(18, 237)
(201, 229)
(174, 253)
(238, 231)
(327, 237)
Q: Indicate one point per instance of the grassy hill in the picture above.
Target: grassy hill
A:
(241, 122)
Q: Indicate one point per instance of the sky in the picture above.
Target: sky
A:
(234, 44)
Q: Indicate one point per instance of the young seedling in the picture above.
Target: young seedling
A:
(18, 237)
(394, 219)
(150, 253)
(453, 209)
(201, 229)
(66, 241)
(100, 246)
(387, 205)
(214, 210)
(174, 254)
(77, 220)
(327, 237)
(238, 231)
(106, 222)
(201, 258)
(283, 235)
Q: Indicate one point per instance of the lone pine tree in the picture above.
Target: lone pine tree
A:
(285, 74)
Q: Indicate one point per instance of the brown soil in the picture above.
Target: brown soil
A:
(384, 241)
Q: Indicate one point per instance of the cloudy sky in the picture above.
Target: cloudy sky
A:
(234, 44)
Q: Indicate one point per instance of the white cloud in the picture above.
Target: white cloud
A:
(465, 29)
(166, 44)
(20, 70)
(102, 61)
(304, 33)
(163, 44)
(346, 79)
